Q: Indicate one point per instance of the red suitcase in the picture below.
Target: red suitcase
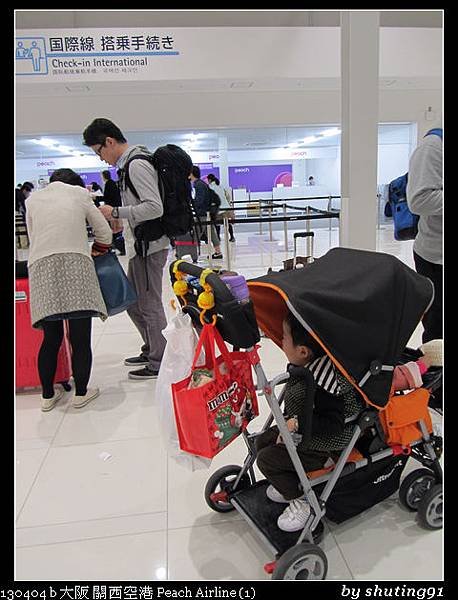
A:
(28, 342)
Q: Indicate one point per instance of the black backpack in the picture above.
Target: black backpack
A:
(173, 166)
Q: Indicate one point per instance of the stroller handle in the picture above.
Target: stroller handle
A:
(218, 286)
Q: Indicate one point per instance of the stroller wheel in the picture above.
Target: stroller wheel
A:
(220, 484)
(302, 562)
(414, 487)
(431, 508)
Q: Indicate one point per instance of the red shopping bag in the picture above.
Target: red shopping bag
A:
(210, 417)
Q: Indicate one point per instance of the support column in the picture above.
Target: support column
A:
(359, 104)
(223, 162)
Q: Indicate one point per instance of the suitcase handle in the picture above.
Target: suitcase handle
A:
(303, 234)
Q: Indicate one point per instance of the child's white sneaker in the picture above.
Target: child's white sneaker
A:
(80, 401)
(49, 403)
(274, 495)
(294, 516)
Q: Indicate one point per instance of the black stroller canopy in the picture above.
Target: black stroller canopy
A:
(362, 307)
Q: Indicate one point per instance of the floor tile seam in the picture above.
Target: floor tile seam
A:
(18, 515)
(237, 519)
(148, 437)
(98, 537)
(48, 449)
(87, 521)
(341, 552)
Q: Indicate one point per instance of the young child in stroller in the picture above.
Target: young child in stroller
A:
(318, 434)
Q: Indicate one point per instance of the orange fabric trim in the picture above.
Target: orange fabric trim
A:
(354, 456)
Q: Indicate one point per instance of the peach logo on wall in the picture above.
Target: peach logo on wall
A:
(284, 178)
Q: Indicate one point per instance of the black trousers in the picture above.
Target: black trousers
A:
(276, 465)
(432, 320)
(80, 341)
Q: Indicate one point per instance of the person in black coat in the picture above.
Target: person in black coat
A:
(22, 193)
(111, 194)
(112, 197)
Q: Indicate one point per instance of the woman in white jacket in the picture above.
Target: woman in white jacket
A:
(62, 278)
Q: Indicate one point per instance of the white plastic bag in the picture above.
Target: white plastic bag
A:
(176, 365)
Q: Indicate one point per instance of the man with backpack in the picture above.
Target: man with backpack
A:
(205, 201)
(146, 266)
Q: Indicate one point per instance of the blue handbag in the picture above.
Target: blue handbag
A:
(117, 291)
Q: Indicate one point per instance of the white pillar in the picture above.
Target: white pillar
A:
(223, 161)
(299, 174)
(360, 100)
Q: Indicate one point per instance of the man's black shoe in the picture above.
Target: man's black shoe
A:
(145, 373)
(136, 361)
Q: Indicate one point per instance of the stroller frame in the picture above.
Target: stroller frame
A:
(311, 532)
(298, 556)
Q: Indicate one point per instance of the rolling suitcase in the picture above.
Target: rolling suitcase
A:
(291, 263)
(28, 342)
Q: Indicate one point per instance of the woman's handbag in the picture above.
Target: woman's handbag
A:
(211, 416)
(117, 291)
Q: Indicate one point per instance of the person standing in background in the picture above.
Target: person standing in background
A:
(112, 197)
(225, 207)
(311, 181)
(62, 278)
(96, 193)
(22, 192)
(201, 206)
(425, 198)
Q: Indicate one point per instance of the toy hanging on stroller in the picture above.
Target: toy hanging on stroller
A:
(361, 308)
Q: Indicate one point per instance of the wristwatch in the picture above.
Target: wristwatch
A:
(115, 213)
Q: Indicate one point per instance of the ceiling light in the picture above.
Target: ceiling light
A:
(66, 149)
(330, 132)
(45, 142)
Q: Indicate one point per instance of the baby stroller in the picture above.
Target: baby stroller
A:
(362, 308)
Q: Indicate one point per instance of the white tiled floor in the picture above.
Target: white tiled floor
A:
(140, 515)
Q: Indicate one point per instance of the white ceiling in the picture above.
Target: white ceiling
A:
(55, 19)
(237, 139)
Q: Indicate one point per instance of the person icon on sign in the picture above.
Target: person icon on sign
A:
(21, 52)
(35, 54)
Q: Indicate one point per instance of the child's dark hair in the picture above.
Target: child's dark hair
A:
(301, 337)
(67, 176)
(196, 171)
